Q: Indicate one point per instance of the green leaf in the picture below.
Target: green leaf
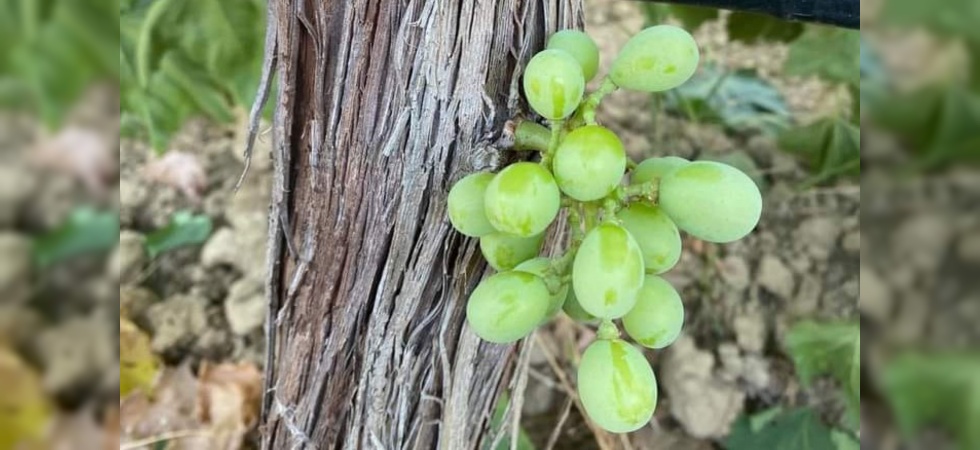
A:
(798, 429)
(54, 50)
(693, 16)
(957, 18)
(936, 389)
(832, 348)
(185, 229)
(752, 28)
(808, 55)
(830, 146)
(85, 231)
(197, 58)
(937, 122)
(738, 100)
(844, 441)
(523, 440)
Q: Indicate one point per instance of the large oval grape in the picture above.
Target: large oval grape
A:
(656, 59)
(617, 386)
(574, 310)
(504, 251)
(522, 199)
(711, 201)
(466, 208)
(580, 46)
(655, 168)
(658, 316)
(507, 306)
(608, 271)
(589, 163)
(539, 266)
(656, 235)
(553, 84)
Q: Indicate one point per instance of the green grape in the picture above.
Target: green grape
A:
(539, 266)
(617, 386)
(656, 59)
(655, 168)
(466, 205)
(608, 271)
(504, 251)
(553, 84)
(507, 306)
(522, 199)
(712, 201)
(656, 235)
(656, 320)
(580, 46)
(589, 163)
(574, 310)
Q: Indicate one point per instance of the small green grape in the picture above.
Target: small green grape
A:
(657, 318)
(656, 235)
(539, 266)
(655, 168)
(553, 84)
(467, 213)
(617, 386)
(522, 199)
(507, 306)
(504, 251)
(574, 310)
(589, 163)
(580, 46)
(608, 271)
(656, 59)
(712, 201)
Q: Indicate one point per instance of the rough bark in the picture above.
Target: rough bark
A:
(380, 106)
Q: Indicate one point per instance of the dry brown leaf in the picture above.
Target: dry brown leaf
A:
(211, 412)
(80, 431)
(228, 401)
(79, 152)
(179, 170)
(170, 408)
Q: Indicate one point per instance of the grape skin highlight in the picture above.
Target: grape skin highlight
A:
(580, 46)
(617, 386)
(655, 168)
(522, 199)
(655, 233)
(507, 306)
(504, 252)
(590, 163)
(656, 59)
(658, 316)
(467, 212)
(711, 201)
(608, 271)
(553, 84)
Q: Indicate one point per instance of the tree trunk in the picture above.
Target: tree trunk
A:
(381, 105)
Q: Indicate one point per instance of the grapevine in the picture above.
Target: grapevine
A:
(624, 220)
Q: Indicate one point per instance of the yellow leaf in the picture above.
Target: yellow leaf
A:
(24, 408)
(138, 366)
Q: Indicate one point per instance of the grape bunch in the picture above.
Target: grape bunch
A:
(624, 220)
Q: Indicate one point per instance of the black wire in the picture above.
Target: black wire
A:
(841, 13)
